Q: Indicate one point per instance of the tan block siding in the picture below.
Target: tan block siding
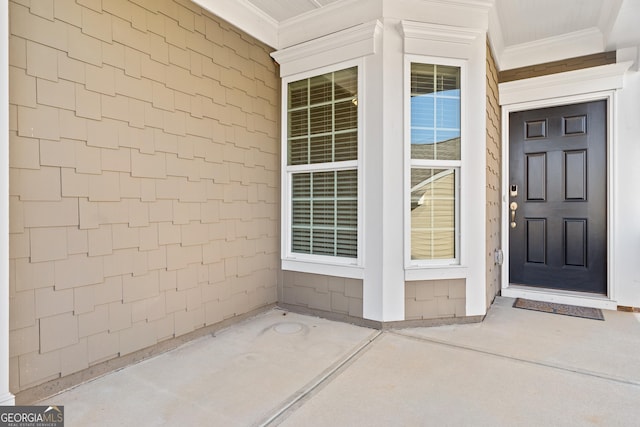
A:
(144, 162)
(434, 299)
(570, 64)
(494, 172)
(327, 293)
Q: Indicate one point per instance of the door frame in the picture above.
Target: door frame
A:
(592, 84)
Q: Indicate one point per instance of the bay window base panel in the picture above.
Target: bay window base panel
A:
(435, 273)
(347, 271)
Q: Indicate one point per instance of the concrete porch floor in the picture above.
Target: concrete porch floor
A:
(518, 367)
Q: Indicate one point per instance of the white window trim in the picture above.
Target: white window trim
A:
(321, 264)
(442, 268)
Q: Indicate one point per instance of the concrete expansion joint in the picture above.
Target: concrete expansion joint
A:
(571, 369)
(305, 393)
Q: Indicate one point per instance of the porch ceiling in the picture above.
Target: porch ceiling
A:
(521, 31)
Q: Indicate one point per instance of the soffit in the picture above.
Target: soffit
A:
(525, 21)
(281, 10)
(522, 32)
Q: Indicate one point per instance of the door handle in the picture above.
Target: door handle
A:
(514, 207)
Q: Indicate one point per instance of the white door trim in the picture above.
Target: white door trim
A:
(599, 83)
(6, 398)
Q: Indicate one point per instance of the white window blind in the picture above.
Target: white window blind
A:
(322, 145)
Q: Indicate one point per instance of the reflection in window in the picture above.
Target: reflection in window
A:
(435, 112)
(432, 213)
(435, 160)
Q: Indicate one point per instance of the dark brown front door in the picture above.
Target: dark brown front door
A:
(558, 179)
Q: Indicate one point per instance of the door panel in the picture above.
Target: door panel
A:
(558, 166)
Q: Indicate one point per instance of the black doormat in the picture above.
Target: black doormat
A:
(567, 310)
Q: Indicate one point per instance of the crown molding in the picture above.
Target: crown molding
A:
(570, 83)
(436, 39)
(341, 46)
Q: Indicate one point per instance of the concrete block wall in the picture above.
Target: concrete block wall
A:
(494, 177)
(435, 299)
(326, 293)
(144, 199)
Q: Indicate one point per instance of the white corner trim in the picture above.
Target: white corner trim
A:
(246, 17)
(437, 32)
(341, 46)
(594, 79)
(570, 45)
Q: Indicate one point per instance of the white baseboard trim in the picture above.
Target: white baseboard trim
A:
(7, 399)
(560, 297)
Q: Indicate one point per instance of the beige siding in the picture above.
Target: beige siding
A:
(144, 179)
(435, 299)
(494, 171)
(326, 293)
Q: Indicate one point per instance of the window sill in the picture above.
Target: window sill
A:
(436, 272)
(337, 270)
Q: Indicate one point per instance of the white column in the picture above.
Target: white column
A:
(6, 398)
(384, 269)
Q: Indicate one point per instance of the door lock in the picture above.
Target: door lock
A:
(513, 206)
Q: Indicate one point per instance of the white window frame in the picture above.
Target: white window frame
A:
(310, 263)
(455, 263)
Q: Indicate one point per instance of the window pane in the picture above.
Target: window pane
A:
(320, 119)
(348, 184)
(321, 150)
(323, 184)
(347, 245)
(324, 106)
(346, 146)
(301, 240)
(323, 242)
(346, 83)
(347, 213)
(298, 123)
(325, 211)
(320, 89)
(301, 212)
(298, 151)
(298, 92)
(433, 213)
(301, 183)
(346, 116)
(435, 112)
